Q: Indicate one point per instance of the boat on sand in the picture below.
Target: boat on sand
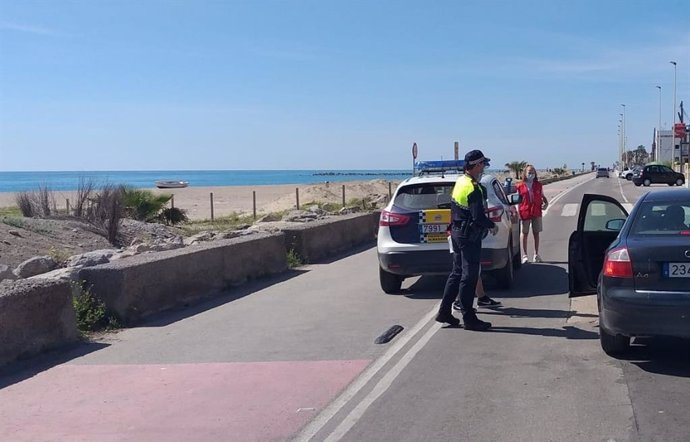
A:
(171, 184)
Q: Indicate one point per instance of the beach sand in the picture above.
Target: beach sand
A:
(239, 199)
(228, 200)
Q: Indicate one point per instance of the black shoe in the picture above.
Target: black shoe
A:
(476, 324)
(448, 319)
(485, 301)
(458, 308)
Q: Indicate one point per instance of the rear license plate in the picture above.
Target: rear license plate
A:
(434, 228)
(677, 270)
(435, 237)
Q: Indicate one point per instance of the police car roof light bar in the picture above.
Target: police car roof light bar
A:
(439, 167)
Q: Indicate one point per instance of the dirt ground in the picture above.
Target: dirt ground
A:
(23, 238)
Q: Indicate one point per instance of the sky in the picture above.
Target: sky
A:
(326, 84)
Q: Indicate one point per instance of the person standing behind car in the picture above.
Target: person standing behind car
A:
(468, 226)
(532, 203)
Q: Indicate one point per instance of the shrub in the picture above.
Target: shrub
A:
(26, 207)
(173, 215)
(293, 259)
(84, 191)
(143, 205)
(91, 312)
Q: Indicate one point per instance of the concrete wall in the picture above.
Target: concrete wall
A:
(145, 284)
(320, 239)
(35, 315)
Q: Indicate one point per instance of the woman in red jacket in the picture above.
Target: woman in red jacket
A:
(533, 202)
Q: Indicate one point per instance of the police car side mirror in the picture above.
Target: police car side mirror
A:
(514, 198)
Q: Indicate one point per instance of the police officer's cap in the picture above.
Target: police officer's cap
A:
(474, 157)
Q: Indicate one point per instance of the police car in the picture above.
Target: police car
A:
(412, 234)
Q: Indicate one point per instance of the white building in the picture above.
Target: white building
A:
(669, 152)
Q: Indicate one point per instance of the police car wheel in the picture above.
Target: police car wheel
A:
(390, 283)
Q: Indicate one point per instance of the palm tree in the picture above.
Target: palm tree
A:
(516, 167)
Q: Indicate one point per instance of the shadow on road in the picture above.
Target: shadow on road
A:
(531, 280)
(568, 332)
(22, 370)
(534, 280)
(666, 356)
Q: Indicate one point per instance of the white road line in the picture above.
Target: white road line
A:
(570, 209)
(620, 186)
(381, 387)
(628, 207)
(560, 195)
(334, 407)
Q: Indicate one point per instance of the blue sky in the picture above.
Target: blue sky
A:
(325, 84)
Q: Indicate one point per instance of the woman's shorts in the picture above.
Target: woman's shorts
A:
(535, 223)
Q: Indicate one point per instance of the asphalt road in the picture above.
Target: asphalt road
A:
(294, 358)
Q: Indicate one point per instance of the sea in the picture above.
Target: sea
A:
(27, 181)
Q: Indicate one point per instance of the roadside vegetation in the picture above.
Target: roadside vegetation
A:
(91, 312)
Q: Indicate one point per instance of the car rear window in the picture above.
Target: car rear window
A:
(601, 169)
(424, 196)
(662, 219)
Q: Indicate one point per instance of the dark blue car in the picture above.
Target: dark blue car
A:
(638, 265)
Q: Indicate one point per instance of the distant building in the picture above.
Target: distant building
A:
(668, 152)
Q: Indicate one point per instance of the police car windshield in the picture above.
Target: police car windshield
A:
(424, 196)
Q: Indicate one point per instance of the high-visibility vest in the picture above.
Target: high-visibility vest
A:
(464, 186)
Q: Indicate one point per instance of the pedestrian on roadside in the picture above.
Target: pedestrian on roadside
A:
(469, 224)
(530, 210)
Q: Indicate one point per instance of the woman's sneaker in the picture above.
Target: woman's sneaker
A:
(525, 259)
(485, 301)
(537, 258)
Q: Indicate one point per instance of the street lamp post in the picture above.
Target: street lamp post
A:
(673, 128)
(625, 162)
(657, 154)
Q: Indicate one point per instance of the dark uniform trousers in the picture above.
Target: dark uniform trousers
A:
(466, 262)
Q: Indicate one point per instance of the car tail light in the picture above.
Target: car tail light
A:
(495, 214)
(685, 232)
(393, 219)
(617, 264)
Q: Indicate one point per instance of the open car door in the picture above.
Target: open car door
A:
(586, 246)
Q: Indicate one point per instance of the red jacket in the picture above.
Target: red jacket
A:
(530, 208)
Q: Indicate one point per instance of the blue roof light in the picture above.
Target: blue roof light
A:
(438, 167)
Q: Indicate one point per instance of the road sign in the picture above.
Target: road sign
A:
(414, 151)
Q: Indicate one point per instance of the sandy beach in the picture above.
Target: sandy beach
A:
(228, 200)
(239, 199)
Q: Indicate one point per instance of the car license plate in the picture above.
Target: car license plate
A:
(434, 228)
(677, 270)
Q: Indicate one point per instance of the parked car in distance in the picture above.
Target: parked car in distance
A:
(627, 174)
(602, 172)
(658, 174)
(638, 265)
(412, 235)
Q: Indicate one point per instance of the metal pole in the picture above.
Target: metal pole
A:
(390, 191)
(172, 202)
(625, 150)
(343, 195)
(254, 203)
(67, 204)
(211, 206)
(673, 128)
(657, 154)
(297, 196)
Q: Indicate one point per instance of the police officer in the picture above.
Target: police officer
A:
(469, 226)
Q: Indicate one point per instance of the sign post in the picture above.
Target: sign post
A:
(414, 156)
